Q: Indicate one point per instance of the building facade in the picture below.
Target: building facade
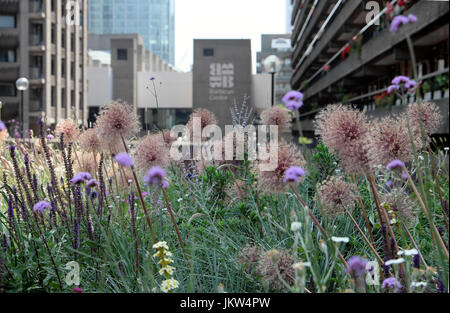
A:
(45, 42)
(342, 54)
(154, 20)
(280, 46)
(222, 75)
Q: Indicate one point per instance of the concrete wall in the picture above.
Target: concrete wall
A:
(125, 71)
(221, 78)
(174, 90)
(99, 86)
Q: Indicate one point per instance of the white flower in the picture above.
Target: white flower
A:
(295, 226)
(300, 265)
(169, 284)
(408, 252)
(166, 270)
(395, 261)
(340, 239)
(161, 244)
(179, 200)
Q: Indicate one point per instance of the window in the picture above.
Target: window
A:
(122, 54)
(7, 55)
(7, 21)
(53, 97)
(7, 90)
(208, 52)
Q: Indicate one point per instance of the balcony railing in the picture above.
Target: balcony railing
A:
(35, 40)
(36, 6)
(35, 72)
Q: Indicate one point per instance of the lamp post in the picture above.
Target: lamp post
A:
(272, 65)
(21, 85)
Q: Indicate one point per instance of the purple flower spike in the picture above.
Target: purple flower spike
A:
(124, 159)
(356, 266)
(50, 137)
(2, 126)
(392, 283)
(293, 100)
(92, 183)
(41, 206)
(293, 174)
(395, 164)
(155, 176)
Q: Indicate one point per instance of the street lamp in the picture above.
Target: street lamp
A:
(272, 65)
(21, 85)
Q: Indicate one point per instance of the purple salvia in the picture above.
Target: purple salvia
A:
(416, 261)
(76, 231)
(4, 242)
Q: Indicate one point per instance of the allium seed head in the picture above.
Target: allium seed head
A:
(151, 151)
(277, 116)
(69, 129)
(272, 267)
(273, 181)
(89, 141)
(249, 257)
(429, 115)
(205, 117)
(335, 196)
(117, 120)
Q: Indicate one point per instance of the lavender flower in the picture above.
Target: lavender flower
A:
(400, 79)
(293, 174)
(164, 184)
(2, 126)
(391, 88)
(389, 183)
(391, 283)
(124, 159)
(41, 206)
(50, 137)
(395, 164)
(356, 266)
(293, 100)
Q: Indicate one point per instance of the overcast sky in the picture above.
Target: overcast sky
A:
(225, 19)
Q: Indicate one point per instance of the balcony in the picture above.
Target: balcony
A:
(36, 10)
(36, 105)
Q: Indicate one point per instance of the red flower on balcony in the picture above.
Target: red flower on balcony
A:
(326, 67)
(401, 2)
(345, 52)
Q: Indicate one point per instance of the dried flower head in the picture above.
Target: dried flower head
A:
(335, 196)
(277, 116)
(89, 141)
(273, 181)
(249, 257)
(341, 126)
(167, 138)
(87, 162)
(69, 129)
(400, 206)
(151, 151)
(429, 115)
(390, 140)
(117, 120)
(3, 137)
(205, 117)
(273, 265)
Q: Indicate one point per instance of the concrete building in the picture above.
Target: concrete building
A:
(115, 63)
(289, 4)
(342, 55)
(154, 20)
(39, 40)
(280, 46)
(222, 74)
(175, 90)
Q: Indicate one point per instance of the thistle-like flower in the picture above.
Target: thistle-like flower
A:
(356, 266)
(277, 116)
(124, 159)
(429, 115)
(249, 257)
(293, 100)
(117, 120)
(69, 130)
(275, 264)
(399, 206)
(205, 117)
(41, 206)
(151, 151)
(288, 155)
(89, 141)
(335, 196)
(390, 140)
